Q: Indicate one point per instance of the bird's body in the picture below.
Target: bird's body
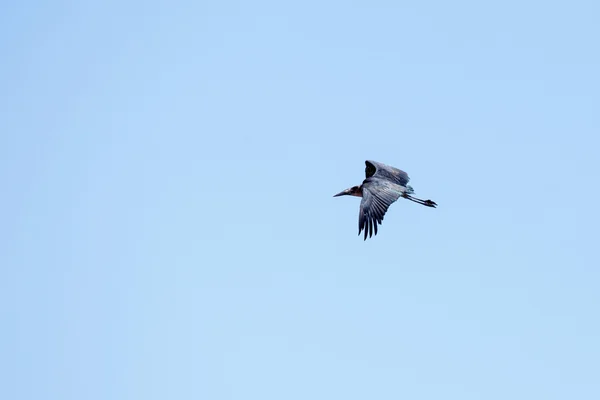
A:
(383, 186)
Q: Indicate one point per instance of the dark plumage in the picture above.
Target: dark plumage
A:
(383, 186)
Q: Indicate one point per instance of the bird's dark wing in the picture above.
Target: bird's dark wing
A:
(379, 170)
(377, 196)
(370, 169)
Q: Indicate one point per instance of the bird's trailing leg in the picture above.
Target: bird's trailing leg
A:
(427, 203)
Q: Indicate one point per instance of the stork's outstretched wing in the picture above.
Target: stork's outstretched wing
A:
(377, 196)
(379, 170)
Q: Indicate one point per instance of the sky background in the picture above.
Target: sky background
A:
(168, 229)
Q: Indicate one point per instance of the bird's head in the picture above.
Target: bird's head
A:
(353, 191)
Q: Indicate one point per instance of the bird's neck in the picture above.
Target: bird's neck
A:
(357, 193)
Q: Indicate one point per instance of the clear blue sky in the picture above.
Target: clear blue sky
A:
(168, 229)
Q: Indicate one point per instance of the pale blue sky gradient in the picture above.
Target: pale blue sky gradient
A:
(168, 229)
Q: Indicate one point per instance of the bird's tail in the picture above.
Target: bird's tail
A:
(427, 203)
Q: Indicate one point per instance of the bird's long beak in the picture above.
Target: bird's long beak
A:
(345, 192)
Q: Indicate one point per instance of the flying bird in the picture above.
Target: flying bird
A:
(383, 186)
